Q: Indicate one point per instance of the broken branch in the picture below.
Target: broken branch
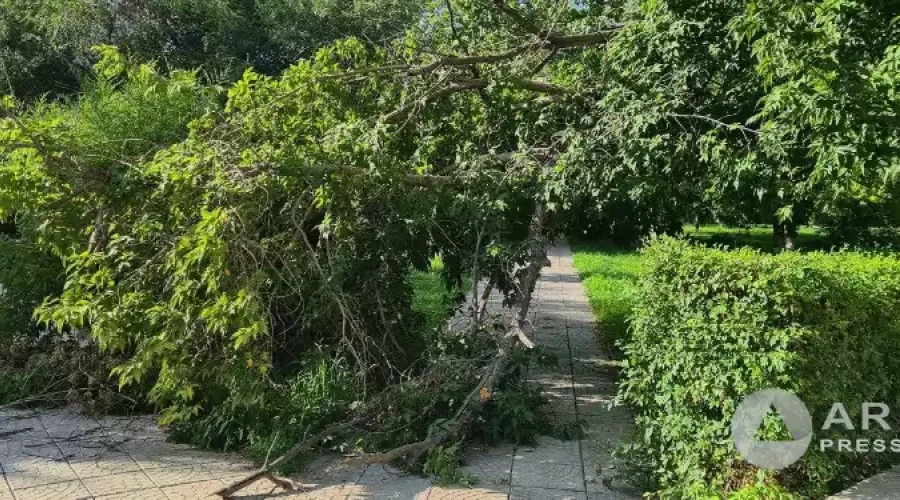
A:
(265, 472)
(401, 113)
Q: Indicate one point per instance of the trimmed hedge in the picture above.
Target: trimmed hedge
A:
(712, 326)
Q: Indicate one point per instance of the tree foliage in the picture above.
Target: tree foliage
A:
(45, 45)
(773, 110)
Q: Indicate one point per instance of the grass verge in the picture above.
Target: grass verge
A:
(610, 277)
(431, 298)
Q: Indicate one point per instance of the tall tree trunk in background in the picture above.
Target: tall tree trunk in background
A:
(777, 235)
(790, 235)
(784, 235)
(8, 227)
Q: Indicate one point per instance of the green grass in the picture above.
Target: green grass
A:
(431, 298)
(610, 275)
(758, 236)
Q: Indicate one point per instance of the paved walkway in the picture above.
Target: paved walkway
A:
(61, 455)
(884, 486)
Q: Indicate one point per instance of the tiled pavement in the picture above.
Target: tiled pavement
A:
(884, 486)
(58, 454)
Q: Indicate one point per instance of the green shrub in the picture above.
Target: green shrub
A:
(445, 464)
(38, 363)
(266, 418)
(27, 276)
(711, 326)
(53, 370)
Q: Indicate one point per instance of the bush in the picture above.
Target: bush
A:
(266, 418)
(52, 369)
(711, 326)
(27, 276)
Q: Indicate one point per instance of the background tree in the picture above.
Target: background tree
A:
(752, 113)
(45, 45)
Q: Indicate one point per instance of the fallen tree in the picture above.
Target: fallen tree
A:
(287, 223)
(454, 429)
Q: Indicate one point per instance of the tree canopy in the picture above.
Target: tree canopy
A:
(45, 45)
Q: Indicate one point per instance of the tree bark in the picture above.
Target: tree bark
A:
(778, 235)
(790, 236)
(537, 248)
(784, 235)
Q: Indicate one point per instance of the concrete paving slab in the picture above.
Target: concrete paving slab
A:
(492, 467)
(149, 494)
(885, 486)
(200, 491)
(5, 491)
(520, 493)
(462, 493)
(69, 489)
(118, 483)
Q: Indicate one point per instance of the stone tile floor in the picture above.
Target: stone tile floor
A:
(61, 455)
(884, 486)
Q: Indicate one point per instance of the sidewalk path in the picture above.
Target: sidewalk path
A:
(59, 455)
(884, 486)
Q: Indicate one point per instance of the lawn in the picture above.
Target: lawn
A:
(431, 298)
(757, 236)
(610, 274)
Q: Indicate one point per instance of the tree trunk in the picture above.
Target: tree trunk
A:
(537, 259)
(777, 235)
(784, 235)
(790, 236)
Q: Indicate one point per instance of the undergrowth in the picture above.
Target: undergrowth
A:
(51, 370)
(274, 414)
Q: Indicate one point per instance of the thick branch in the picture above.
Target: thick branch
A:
(452, 61)
(544, 62)
(401, 113)
(412, 179)
(291, 454)
(537, 256)
(550, 41)
(97, 241)
(481, 311)
(554, 40)
(263, 168)
(545, 41)
(567, 41)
